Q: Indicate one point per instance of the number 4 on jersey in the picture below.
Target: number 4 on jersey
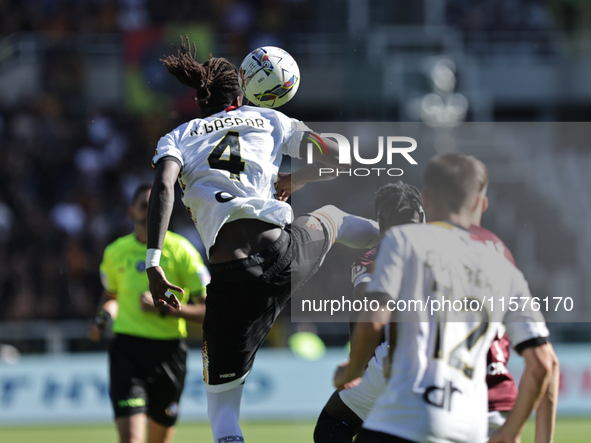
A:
(226, 155)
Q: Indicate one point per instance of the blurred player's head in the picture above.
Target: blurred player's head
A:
(138, 210)
(455, 189)
(397, 204)
(215, 81)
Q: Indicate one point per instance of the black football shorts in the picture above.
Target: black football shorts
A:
(147, 376)
(367, 436)
(245, 297)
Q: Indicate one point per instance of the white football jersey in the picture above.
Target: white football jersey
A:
(362, 398)
(437, 390)
(229, 164)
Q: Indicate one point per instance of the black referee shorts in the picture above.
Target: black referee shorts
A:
(245, 297)
(147, 376)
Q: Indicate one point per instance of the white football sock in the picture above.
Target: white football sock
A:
(223, 409)
(350, 230)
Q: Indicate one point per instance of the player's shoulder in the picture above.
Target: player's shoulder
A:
(120, 245)
(262, 111)
(495, 261)
(491, 239)
(181, 129)
(412, 232)
(483, 234)
(441, 236)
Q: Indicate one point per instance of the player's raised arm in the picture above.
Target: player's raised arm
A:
(159, 212)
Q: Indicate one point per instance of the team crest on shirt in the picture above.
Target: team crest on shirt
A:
(140, 266)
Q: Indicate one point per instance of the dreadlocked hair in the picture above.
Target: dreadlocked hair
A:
(397, 203)
(215, 81)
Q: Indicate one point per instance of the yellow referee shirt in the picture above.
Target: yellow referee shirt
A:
(123, 272)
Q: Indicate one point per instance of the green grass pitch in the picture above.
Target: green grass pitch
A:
(567, 431)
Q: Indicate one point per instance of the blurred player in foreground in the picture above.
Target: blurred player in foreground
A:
(148, 354)
(437, 389)
(342, 417)
(340, 422)
(227, 163)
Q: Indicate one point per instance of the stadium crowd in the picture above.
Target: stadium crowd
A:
(67, 172)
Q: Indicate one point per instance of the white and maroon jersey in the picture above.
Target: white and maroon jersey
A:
(362, 268)
(491, 240)
(437, 390)
(229, 164)
(502, 391)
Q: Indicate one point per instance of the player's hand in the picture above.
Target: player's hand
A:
(283, 186)
(286, 185)
(147, 305)
(160, 288)
(95, 332)
(97, 328)
(343, 379)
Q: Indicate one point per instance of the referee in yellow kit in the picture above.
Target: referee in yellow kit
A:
(148, 354)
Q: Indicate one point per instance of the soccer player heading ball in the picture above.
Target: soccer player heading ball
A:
(227, 165)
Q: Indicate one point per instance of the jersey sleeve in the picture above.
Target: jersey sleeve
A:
(194, 272)
(523, 324)
(107, 272)
(292, 132)
(168, 147)
(389, 265)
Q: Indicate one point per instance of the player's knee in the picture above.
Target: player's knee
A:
(331, 430)
(332, 211)
(331, 216)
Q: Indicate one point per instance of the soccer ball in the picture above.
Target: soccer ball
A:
(269, 77)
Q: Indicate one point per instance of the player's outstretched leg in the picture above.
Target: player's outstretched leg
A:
(223, 410)
(350, 230)
(313, 235)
